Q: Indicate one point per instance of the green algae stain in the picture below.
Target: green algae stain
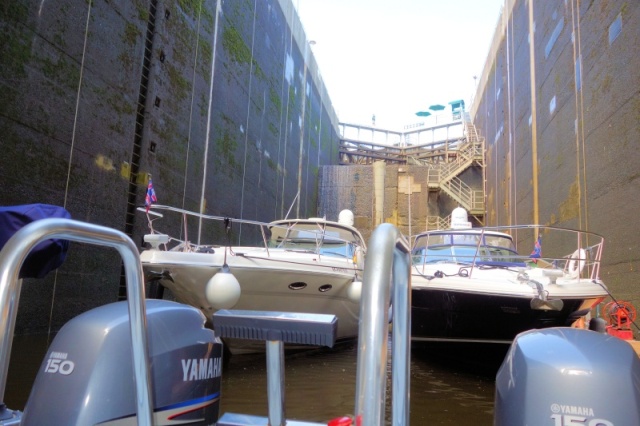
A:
(14, 11)
(116, 102)
(130, 37)
(203, 105)
(67, 73)
(569, 209)
(607, 82)
(191, 7)
(273, 129)
(292, 100)
(226, 145)
(233, 43)
(272, 164)
(624, 10)
(239, 51)
(207, 19)
(179, 83)
(206, 53)
(18, 51)
(143, 13)
(131, 34)
(275, 99)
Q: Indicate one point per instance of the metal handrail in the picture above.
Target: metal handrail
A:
(12, 257)
(285, 224)
(388, 256)
(567, 244)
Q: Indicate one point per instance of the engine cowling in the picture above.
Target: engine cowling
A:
(87, 375)
(555, 376)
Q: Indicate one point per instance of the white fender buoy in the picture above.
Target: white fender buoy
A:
(354, 292)
(576, 263)
(223, 289)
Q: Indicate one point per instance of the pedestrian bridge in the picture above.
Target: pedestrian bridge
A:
(429, 142)
(447, 148)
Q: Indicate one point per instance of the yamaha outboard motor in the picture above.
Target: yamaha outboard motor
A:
(87, 375)
(568, 376)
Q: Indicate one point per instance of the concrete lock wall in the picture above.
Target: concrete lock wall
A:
(220, 103)
(207, 98)
(586, 130)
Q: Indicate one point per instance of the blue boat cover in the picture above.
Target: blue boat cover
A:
(45, 256)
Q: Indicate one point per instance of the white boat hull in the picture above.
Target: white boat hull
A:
(276, 280)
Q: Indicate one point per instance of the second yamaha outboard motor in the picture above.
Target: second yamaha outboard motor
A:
(568, 376)
(87, 375)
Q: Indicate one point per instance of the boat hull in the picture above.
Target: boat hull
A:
(443, 315)
(277, 281)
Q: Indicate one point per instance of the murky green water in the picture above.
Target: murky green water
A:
(319, 385)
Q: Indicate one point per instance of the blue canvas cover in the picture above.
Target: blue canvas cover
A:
(45, 256)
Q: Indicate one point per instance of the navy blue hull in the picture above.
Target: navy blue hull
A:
(438, 315)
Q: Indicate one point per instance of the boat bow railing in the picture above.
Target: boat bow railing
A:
(578, 254)
(318, 237)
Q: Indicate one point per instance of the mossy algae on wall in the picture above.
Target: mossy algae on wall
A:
(75, 118)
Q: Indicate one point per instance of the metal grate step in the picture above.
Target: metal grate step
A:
(287, 327)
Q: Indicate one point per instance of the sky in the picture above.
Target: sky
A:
(392, 59)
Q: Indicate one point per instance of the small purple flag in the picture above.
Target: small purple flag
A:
(537, 250)
(150, 198)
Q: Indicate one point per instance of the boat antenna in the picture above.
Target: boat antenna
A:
(292, 203)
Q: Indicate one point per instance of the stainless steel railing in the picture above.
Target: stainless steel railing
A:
(12, 257)
(387, 274)
(386, 277)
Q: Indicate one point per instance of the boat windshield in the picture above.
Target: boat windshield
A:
(464, 248)
(317, 238)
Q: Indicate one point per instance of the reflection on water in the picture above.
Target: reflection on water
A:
(319, 385)
(444, 394)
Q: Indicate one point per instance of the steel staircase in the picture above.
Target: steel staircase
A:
(472, 200)
(471, 152)
(444, 173)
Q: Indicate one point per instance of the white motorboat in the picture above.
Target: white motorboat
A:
(157, 364)
(300, 265)
(471, 285)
